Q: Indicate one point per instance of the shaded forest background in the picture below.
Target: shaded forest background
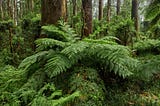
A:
(79, 52)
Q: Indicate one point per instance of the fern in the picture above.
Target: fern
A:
(153, 12)
(149, 68)
(88, 82)
(46, 43)
(115, 58)
(145, 46)
(56, 65)
(62, 33)
(27, 62)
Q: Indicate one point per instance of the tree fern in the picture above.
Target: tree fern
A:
(115, 58)
(47, 43)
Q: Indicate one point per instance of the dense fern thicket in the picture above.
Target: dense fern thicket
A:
(84, 70)
(54, 66)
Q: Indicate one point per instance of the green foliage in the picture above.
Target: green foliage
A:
(18, 87)
(147, 46)
(153, 12)
(6, 25)
(125, 32)
(63, 32)
(149, 68)
(88, 82)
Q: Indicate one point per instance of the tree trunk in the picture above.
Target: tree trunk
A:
(118, 6)
(9, 9)
(100, 9)
(52, 11)
(1, 9)
(134, 14)
(108, 10)
(15, 18)
(87, 17)
(74, 7)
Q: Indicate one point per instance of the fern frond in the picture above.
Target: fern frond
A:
(27, 62)
(56, 65)
(76, 51)
(100, 41)
(60, 33)
(44, 101)
(115, 57)
(149, 45)
(153, 12)
(48, 43)
(149, 68)
(7, 83)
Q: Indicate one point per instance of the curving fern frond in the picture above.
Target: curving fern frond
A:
(115, 57)
(62, 33)
(48, 43)
(56, 65)
(27, 62)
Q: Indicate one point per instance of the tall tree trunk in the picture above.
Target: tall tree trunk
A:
(74, 7)
(9, 9)
(15, 12)
(134, 14)
(87, 17)
(52, 11)
(1, 9)
(32, 5)
(118, 6)
(100, 9)
(66, 9)
(108, 10)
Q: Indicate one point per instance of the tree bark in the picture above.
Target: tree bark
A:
(100, 9)
(15, 17)
(1, 9)
(9, 9)
(74, 2)
(134, 14)
(118, 6)
(52, 11)
(87, 17)
(108, 10)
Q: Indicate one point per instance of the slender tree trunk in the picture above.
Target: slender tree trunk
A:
(108, 10)
(52, 11)
(1, 9)
(134, 14)
(32, 5)
(9, 9)
(74, 7)
(118, 6)
(15, 12)
(100, 9)
(87, 17)
(66, 9)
